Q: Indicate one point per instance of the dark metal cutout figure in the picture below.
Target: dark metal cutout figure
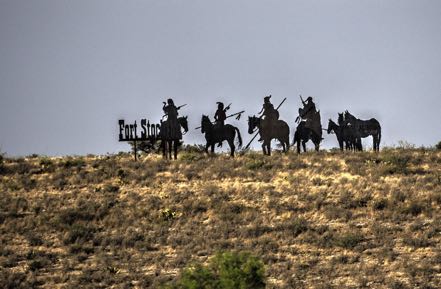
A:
(215, 134)
(365, 128)
(171, 134)
(310, 127)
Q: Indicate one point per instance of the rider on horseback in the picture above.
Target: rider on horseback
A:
(220, 114)
(311, 116)
(270, 115)
(171, 124)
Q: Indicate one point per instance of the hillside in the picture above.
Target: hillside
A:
(318, 220)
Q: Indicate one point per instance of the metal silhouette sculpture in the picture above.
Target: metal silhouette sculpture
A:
(170, 132)
(278, 130)
(268, 110)
(365, 128)
(172, 141)
(350, 138)
(345, 136)
(309, 127)
(215, 134)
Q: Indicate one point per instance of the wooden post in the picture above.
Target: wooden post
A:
(135, 149)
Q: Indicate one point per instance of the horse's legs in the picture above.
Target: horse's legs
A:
(298, 146)
(212, 148)
(304, 146)
(175, 146)
(359, 145)
(375, 141)
(269, 148)
(164, 147)
(206, 147)
(232, 146)
(170, 148)
(264, 148)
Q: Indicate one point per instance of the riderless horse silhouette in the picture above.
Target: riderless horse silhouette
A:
(278, 130)
(215, 134)
(350, 138)
(365, 128)
(345, 136)
(172, 139)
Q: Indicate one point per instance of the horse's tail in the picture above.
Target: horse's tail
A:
(379, 137)
(295, 138)
(238, 136)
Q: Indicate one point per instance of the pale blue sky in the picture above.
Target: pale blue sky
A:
(70, 69)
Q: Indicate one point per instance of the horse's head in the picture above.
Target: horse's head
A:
(184, 123)
(252, 123)
(205, 123)
(341, 119)
(349, 117)
(330, 126)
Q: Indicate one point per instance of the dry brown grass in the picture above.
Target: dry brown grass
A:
(319, 220)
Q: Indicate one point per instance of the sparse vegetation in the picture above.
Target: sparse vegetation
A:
(226, 270)
(319, 220)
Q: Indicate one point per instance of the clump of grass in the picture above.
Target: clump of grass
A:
(79, 233)
(295, 226)
(395, 163)
(349, 240)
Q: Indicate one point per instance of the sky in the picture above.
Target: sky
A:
(69, 70)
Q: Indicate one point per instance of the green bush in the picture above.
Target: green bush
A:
(225, 271)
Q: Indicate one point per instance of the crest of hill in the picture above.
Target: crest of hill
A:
(339, 220)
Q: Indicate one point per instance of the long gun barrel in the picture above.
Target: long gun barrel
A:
(237, 113)
(248, 145)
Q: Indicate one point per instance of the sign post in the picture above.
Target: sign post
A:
(129, 133)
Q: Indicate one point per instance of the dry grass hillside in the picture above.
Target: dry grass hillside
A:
(318, 220)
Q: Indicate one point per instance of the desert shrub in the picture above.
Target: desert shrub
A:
(47, 165)
(168, 214)
(17, 280)
(380, 204)
(414, 208)
(34, 239)
(109, 188)
(396, 163)
(349, 240)
(225, 270)
(438, 146)
(79, 233)
(193, 148)
(258, 163)
(84, 212)
(296, 226)
(73, 163)
(191, 156)
(419, 242)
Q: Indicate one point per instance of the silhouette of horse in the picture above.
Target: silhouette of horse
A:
(352, 142)
(215, 134)
(345, 136)
(279, 130)
(303, 134)
(365, 128)
(171, 141)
